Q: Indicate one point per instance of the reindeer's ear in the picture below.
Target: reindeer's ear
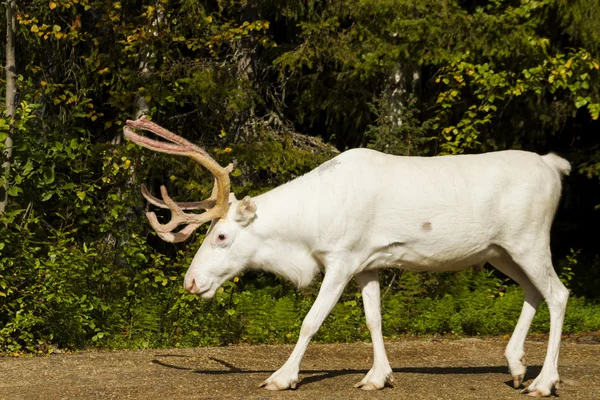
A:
(232, 197)
(246, 211)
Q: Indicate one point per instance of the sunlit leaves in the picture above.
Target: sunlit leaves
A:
(570, 72)
(78, 240)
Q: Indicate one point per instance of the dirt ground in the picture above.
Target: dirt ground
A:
(423, 369)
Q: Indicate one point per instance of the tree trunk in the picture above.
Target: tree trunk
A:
(11, 91)
(141, 105)
(402, 80)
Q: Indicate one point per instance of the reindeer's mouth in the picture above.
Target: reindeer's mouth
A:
(208, 293)
(204, 291)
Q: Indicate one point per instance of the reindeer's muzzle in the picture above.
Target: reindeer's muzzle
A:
(192, 286)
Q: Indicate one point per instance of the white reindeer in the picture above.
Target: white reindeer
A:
(363, 211)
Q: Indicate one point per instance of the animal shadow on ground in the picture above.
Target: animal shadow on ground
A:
(320, 374)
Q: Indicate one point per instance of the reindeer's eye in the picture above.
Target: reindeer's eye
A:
(221, 237)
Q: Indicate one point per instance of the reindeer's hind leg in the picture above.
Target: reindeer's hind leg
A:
(536, 263)
(515, 352)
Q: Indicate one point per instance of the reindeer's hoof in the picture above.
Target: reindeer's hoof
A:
(518, 380)
(268, 386)
(274, 387)
(275, 383)
(544, 385)
(375, 381)
(535, 393)
(366, 386)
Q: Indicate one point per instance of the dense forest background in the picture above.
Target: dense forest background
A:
(278, 86)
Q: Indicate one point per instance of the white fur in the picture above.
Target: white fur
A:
(364, 210)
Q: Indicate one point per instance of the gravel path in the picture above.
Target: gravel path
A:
(423, 369)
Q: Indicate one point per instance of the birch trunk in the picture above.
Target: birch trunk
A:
(141, 105)
(403, 79)
(11, 92)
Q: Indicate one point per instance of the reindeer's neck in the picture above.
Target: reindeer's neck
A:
(287, 238)
(291, 261)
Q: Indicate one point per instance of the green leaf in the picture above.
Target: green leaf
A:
(14, 191)
(48, 173)
(81, 195)
(47, 196)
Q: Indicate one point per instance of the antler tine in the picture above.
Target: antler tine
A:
(177, 237)
(218, 203)
(169, 236)
(178, 217)
(192, 205)
(145, 124)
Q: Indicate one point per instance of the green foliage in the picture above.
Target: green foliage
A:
(79, 265)
(389, 136)
(563, 73)
(581, 21)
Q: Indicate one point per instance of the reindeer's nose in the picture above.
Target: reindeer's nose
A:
(190, 286)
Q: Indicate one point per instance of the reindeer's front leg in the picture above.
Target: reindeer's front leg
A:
(381, 373)
(333, 285)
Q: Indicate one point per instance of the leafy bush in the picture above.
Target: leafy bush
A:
(78, 264)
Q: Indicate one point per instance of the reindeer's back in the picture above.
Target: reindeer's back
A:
(481, 198)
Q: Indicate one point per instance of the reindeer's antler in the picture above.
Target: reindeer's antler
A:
(216, 205)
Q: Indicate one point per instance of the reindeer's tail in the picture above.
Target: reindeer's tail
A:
(557, 163)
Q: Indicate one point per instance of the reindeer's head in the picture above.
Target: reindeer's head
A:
(228, 246)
